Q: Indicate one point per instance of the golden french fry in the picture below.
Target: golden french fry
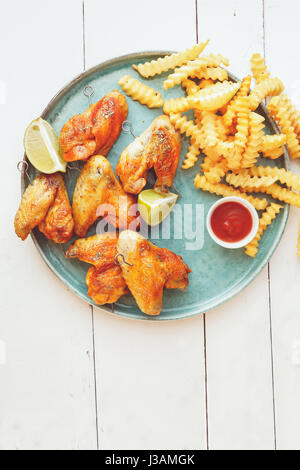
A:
(185, 126)
(162, 64)
(272, 142)
(266, 219)
(277, 192)
(273, 154)
(190, 86)
(280, 112)
(258, 68)
(185, 71)
(214, 73)
(215, 173)
(140, 92)
(244, 180)
(268, 87)
(284, 176)
(231, 108)
(294, 115)
(223, 190)
(256, 134)
(191, 156)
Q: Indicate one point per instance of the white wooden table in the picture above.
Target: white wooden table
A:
(76, 378)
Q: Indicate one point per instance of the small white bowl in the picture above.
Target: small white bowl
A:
(245, 240)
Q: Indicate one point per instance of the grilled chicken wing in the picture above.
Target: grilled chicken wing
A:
(152, 269)
(46, 203)
(104, 279)
(98, 250)
(58, 224)
(35, 203)
(157, 147)
(105, 287)
(96, 129)
(99, 193)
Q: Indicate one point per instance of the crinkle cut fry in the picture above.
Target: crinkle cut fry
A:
(140, 92)
(266, 219)
(231, 107)
(294, 115)
(278, 192)
(185, 126)
(215, 73)
(208, 99)
(191, 156)
(258, 68)
(256, 134)
(163, 64)
(225, 190)
(242, 130)
(185, 71)
(280, 112)
(285, 177)
(268, 87)
(244, 180)
(272, 142)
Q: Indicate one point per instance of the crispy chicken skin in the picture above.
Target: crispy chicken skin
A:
(46, 203)
(157, 147)
(99, 193)
(104, 279)
(98, 250)
(152, 269)
(105, 287)
(58, 224)
(35, 203)
(96, 129)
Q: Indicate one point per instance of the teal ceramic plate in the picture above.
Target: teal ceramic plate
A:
(217, 274)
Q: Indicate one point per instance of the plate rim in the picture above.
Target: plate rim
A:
(193, 310)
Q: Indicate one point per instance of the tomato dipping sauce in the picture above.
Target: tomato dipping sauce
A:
(231, 221)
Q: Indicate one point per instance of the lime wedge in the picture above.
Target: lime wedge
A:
(42, 147)
(154, 207)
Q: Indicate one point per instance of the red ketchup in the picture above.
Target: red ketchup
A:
(231, 222)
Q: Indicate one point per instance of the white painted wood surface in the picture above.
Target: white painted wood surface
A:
(148, 378)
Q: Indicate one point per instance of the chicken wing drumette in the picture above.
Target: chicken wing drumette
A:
(96, 129)
(157, 147)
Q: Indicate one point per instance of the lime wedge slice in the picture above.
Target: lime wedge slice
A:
(42, 147)
(154, 207)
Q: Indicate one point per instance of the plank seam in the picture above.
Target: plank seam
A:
(269, 280)
(204, 317)
(83, 34)
(95, 377)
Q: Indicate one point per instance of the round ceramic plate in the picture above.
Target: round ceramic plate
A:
(217, 273)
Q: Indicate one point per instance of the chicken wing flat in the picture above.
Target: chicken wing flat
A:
(98, 250)
(152, 269)
(99, 193)
(96, 129)
(58, 224)
(105, 287)
(157, 147)
(104, 279)
(35, 203)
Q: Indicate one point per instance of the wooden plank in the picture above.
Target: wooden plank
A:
(47, 382)
(284, 267)
(151, 391)
(239, 374)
